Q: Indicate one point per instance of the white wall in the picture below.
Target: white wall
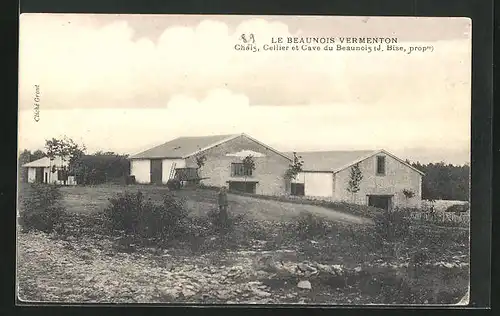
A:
(31, 175)
(167, 166)
(51, 177)
(141, 168)
(318, 184)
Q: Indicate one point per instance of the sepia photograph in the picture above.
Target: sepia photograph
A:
(243, 159)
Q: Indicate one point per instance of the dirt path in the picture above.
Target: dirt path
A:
(269, 209)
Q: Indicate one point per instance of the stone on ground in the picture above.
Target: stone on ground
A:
(304, 285)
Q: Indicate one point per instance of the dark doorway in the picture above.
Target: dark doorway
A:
(38, 175)
(298, 189)
(240, 186)
(156, 171)
(380, 201)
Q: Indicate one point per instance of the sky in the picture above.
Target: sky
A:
(125, 83)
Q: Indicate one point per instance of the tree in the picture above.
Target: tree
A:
(248, 167)
(408, 193)
(355, 177)
(200, 161)
(444, 181)
(67, 150)
(24, 157)
(294, 168)
(53, 147)
(105, 153)
(37, 154)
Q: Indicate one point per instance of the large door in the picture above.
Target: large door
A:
(247, 187)
(156, 171)
(38, 175)
(380, 201)
(298, 189)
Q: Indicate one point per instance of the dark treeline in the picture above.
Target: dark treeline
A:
(101, 168)
(444, 181)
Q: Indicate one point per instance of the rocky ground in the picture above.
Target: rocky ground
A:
(92, 270)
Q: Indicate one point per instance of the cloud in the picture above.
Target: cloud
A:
(81, 65)
(113, 90)
(327, 127)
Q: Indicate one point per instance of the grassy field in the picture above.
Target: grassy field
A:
(199, 202)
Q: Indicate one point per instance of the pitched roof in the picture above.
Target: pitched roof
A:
(182, 147)
(330, 160)
(45, 162)
(335, 161)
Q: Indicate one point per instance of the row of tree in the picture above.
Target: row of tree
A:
(444, 181)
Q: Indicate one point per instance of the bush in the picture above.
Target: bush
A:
(173, 219)
(41, 208)
(393, 225)
(309, 226)
(223, 224)
(123, 211)
(146, 220)
(129, 180)
(458, 208)
(173, 184)
(79, 225)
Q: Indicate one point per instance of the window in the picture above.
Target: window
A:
(380, 165)
(239, 170)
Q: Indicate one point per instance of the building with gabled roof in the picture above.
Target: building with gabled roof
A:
(387, 180)
(222, 166)
(183, 147)
(46, 170)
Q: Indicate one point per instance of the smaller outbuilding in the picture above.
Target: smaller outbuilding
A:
(368, 177)
(45, 170)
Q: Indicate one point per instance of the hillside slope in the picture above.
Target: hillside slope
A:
(200, 201)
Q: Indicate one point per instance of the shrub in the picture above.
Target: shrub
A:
(144, 219)
(123, 211)
(173, 219)
(223, 224)
(41, 208)
(458, 208)
(173, 184)
(309, 226)
(91, 224)
(392, 225)
(129, 180)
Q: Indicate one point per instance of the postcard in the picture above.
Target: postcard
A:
(230, 159)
